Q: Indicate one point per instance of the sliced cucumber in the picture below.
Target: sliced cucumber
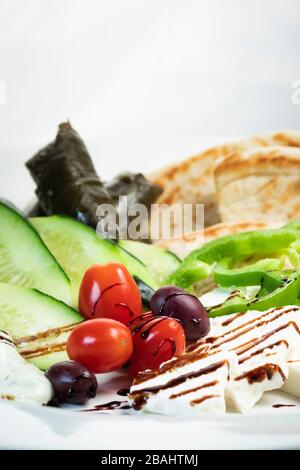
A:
(160, 263)
(25, 260)
(77, 247)
(38, 323)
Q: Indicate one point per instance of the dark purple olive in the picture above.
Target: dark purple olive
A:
(72, 382)
(171, 301)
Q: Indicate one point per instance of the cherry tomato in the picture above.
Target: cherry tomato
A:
(155, 340)
(109, 291)
(102, 345)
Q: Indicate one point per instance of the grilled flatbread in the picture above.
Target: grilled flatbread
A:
(192, 181)
(194, 240)
(260, 184)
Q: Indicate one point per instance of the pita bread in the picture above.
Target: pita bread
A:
(194, 240)
(192, 181)
(260, 184)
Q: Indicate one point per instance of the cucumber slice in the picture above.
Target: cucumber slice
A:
(25, 260)
(38, 323)
(160, 263)
(77, 247)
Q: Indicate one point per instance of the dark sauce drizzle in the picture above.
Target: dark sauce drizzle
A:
(232, 319)
(169, 341)
(201, 400)
(145, 334)
(103, 292)
(279, 405)
(240, 331)
(192, 390)
(140, 397)
(175, 294)
(143, 321)
(112, 405)
(123, 392)
(261, 373)
(121, 304)
(260, 351)
(5, 339)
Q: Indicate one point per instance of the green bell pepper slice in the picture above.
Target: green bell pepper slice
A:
(259, 273)
(287, 294)
(200, 263)
(235, 304)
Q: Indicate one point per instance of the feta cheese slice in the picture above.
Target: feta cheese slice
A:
(292, 384)
(20, 380)
(264, 371)
(187, 386)
(263, 342)
(250, 379)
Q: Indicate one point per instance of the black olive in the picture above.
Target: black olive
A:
(72, 382)
(171, 301)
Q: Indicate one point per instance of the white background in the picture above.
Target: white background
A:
(145, 82)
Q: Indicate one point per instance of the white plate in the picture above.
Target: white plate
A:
(30, 427)
(33, 427)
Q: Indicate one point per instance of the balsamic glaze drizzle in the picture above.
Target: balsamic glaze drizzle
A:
(103, 292)
(112, 405)
(140, 396)
(4, 338)
(279, 405)
(123, 392)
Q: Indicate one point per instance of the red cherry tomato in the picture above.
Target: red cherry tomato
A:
(102, 345)
(155, 340)
(109, 291)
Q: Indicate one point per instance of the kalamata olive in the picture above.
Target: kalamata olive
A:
(159, 297)
(72, 382)
(174, 302)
